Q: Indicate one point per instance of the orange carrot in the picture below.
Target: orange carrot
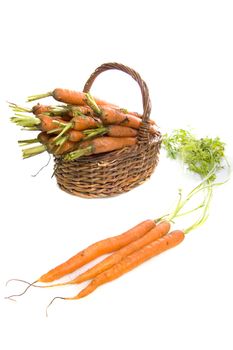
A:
(97, 249)
(77, 110)
(49, 146)
(132, 261)
(67, 96)
(100, 144)
(43, 137)
(124, 110)
(40, 109)
(82, 99)
(67, 146)
(74, 110)
(111, 130)
(83, 122)
(113, 116)
(121, 131)
(48, 124)
(155, 233)
(108, 144)
(109, 115)
(75, 135)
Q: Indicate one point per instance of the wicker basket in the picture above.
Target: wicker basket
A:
(115, 172)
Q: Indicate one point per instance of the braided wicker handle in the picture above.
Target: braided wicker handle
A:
(144, 89)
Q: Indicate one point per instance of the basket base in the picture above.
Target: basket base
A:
(108, 174)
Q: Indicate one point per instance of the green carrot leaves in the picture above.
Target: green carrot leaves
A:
(201, 155)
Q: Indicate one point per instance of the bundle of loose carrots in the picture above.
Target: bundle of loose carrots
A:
(149, 238)
(81, 126)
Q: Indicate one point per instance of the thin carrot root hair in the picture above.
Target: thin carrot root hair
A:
(51, 302)
(33, 284)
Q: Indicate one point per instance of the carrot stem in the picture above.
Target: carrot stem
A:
(25, 120)
(30, 128)
(55, 130)
(64, 130)
(16, 108)
(76, 111)
(78, 153)
(27, 142)
(91, 103)
(205, 213)
(33, 151)
(94, 132)
(38, 97)
(61, 140)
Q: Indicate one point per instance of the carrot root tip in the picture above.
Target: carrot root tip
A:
(51, 302)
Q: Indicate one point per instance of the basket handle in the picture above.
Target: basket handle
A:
(144, 89)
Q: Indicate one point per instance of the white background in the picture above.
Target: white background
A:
(183, 50)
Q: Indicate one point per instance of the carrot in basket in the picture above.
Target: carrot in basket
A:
(41, 109)
(73, 110)
(67, 96)
(41, 122)
(48, 124)
(42, 137)
(81, 99)
(113, 116)
(100, 144)
(136, 114)
(110, 115)
(83, 122)
(61, 111)
(111, 130)
(120, 131)
(155, 233)
(97, 249)
(48, 145)
(107, 144)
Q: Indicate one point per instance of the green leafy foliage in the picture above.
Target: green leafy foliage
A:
(201, 155)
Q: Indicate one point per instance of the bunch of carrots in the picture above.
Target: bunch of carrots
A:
(80, 126)
(128, 250)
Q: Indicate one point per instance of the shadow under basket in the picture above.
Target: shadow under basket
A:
(115, 172)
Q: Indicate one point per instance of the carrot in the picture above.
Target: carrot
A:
(48, 145)
(74, 110)
(79, 98)
(155, 233)
(136, 114)
(132, 261)
(111, 130)
(97, 249)
(40, 109)
(108, 144)
(43, 137)
(74, 135)
(120, 131)
(67, 96)
(83, 122)
(48, 124)
(42, 122)
(53, 111)
(77, 110)
(100, 144)
(110, 115)
(113, 116)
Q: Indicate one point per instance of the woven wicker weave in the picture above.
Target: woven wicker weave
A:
(116, 172)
